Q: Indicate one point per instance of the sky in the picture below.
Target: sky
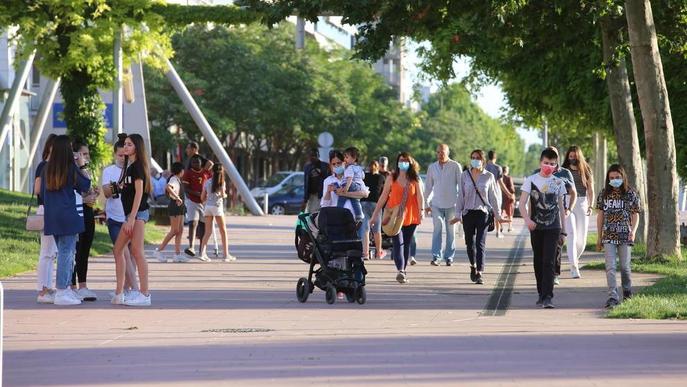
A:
(490, 98)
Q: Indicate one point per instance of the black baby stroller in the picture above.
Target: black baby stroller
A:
(329, 239)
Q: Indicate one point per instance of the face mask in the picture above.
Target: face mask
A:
(616, 183)
(574, 161)
(547, 170)
(339, 170)
(476, 163)
(403, 166)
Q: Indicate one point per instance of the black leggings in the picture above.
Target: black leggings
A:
(83, 246)
(475, 224)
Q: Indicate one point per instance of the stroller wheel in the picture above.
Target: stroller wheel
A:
(361, 295)
(303, 289)
(330, 296)
(350, 295)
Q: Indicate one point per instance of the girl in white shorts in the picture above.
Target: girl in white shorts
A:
(214, 192)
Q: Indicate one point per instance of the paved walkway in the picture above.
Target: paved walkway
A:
(240, 324)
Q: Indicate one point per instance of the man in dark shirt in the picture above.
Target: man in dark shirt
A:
(314, 173)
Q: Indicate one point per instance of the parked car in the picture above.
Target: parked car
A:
(279, 180)
(287, 200)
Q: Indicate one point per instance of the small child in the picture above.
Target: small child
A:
(353, 182)
(213, 194)
(617, 218)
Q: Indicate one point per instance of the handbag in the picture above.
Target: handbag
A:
(491, 225)
(34, 222)
(396, 215)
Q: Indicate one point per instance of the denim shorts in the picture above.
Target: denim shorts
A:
(113, 228)
(143, 215)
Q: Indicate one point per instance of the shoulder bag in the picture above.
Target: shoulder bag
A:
(491, 225)
(395, 215)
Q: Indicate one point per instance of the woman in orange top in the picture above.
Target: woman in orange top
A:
(405, 175)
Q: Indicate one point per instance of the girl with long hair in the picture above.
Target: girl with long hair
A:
(404, 182)
(617, 219)
(135, 187)
(213, 194)
(578, 219)
(48, 252)
(176, 211)
(61, 178)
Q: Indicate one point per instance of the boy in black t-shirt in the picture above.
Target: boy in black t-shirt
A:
(546, 221)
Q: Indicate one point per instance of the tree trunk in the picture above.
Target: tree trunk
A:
(622, 109)
(663, 233)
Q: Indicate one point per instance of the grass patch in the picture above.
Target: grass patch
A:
(665, 299)
(20, 247)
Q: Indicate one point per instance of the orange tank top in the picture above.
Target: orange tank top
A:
(412, 212)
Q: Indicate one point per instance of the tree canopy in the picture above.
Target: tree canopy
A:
(252, 84)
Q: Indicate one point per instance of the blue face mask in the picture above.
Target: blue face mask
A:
(476, 163)
(339, 170)
(616, 183)
(403, 166)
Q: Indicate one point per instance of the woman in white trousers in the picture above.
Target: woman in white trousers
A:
(577, 223)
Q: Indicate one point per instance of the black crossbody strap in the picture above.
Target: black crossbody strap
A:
(476, 190)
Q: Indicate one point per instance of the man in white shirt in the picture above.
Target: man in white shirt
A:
(444, 179)
(115, 212)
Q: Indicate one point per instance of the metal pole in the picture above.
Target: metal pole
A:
(211, 137)
(13, 97)
(300, 33)
(117, 91)
(42, 117)
(546, 134)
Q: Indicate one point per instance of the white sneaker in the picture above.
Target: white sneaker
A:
(181, 258)
(137, 299)
(118, 299)
(204, 258)
(413, 261)
(229, 258)
(86, 294)
(158, 255)
(575, 273)
(47, 298)
(66, 297)
(76, 294)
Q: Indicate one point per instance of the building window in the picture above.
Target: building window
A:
(35, 77)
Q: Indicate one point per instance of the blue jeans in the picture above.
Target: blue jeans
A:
(368, 209)
(66, 249)
(401, 246)
(113, 228)
(355, 203)
(442, 220)
(364, 227)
